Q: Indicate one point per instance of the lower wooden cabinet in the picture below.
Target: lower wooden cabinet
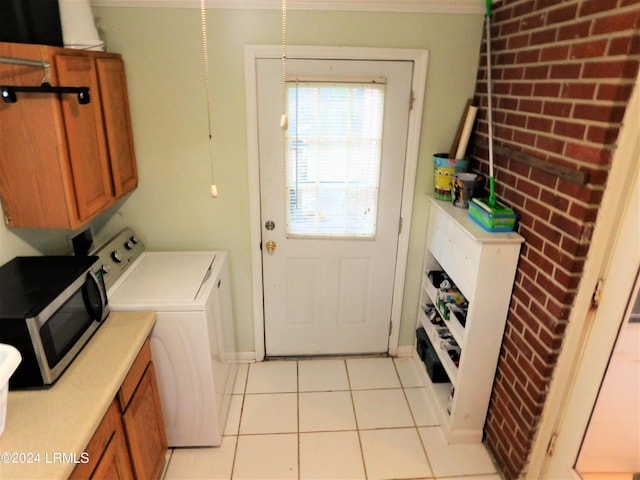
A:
(107, 452)
(131, 441)
(144, 428)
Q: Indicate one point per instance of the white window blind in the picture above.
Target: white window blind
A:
(334, 145)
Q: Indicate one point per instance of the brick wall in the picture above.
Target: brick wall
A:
(562, 71)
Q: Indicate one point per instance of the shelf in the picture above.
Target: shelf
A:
(482, 265)
(454, 326)
(445, 359)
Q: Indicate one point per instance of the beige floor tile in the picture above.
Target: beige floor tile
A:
(330, 455)
(272, 377)
(326, 411)
(423, 413)
(322, 375)
(371, 373)
(241, 379)
(454, 459)
(232, 425)
(202, 463)
(394, 454)
(382, 409)
(409, 376)
(263, 457)
(269, 413)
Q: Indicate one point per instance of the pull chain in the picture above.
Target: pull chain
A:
(205, 51)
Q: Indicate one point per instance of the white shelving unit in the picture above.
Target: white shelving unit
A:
(482, 265)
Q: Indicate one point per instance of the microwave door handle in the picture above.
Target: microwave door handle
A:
(97, 312)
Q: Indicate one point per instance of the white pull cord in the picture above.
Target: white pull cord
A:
(284, 119)
(203, 18)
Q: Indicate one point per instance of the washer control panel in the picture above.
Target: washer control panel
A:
(117, 255)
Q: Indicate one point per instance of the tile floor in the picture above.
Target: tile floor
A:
(357, 418)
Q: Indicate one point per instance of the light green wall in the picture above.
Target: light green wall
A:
(172, 208)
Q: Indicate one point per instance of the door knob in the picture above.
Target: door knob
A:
(271, 246)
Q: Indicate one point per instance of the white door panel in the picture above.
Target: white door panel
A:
(332, 294)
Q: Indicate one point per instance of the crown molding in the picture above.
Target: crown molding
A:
(406, 6)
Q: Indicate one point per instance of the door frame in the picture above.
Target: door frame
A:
(418, 83)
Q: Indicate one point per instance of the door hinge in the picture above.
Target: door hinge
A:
(390, 328)
(400, 226)
(552, 444)
(412, 98)
(597, 293)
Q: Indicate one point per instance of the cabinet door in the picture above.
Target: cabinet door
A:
(114, 463)
(107, 451)
(144, 428)
(117, 122)
(84, 126)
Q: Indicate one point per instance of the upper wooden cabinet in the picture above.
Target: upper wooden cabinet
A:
(62, 162)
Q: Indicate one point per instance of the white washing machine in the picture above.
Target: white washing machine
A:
(193, 341)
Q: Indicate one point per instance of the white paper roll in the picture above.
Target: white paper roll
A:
(78, 26)
(466, 131)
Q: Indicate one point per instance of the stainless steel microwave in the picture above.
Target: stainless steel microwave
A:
(50, 306)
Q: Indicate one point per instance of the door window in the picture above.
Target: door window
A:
(333, 153)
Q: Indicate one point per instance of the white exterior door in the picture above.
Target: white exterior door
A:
(331, 191)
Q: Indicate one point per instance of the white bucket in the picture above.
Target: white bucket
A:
(78, 26)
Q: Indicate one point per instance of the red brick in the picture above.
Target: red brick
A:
(561, 15)
(519, 41)
(532, 21)
(524, 137)
(544, 4)
(566, 70)
(616, 23)
(553, 253)
(624, 45)
(539, 124)
(550, 144)
(507, 103)
(594, 48)
(589, 7)
(554, 290)
(569, 129)
(600, 113)
(586, 153)
(603, 135)
(522, 9)
(570, 282)
(615, 69)
(538, 72)
(530, 106)
(557, 109)
(578, 90)
(527, 188)
(554, 53)
(506, 58)
(545, 89)
(508, 28)
(513, 73)
(574, 30)
(527, 56)
(543, 178)
(516, 120)
(544, 36)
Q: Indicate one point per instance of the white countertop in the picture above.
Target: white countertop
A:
(42, 425)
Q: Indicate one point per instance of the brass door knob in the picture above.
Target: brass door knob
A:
(271, 246)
